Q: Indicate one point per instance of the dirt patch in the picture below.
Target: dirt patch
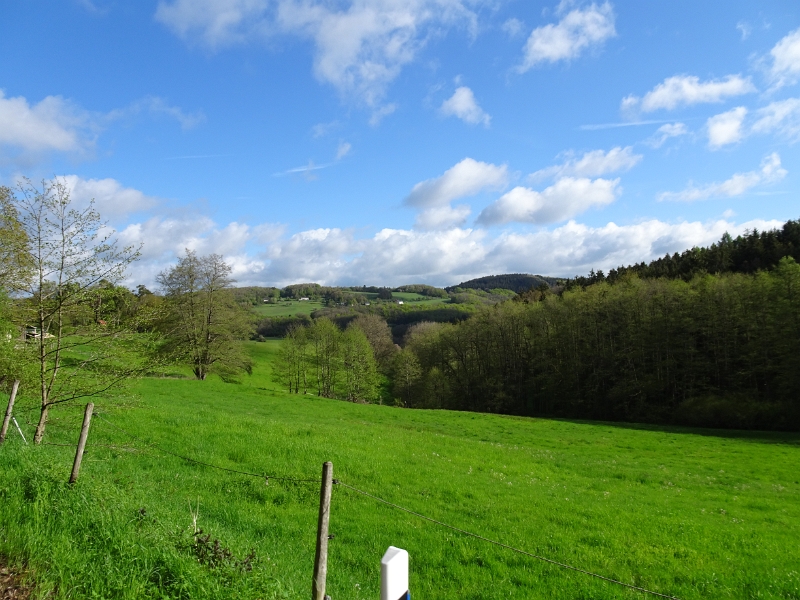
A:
(11, 586)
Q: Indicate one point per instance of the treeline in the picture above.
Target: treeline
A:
(516, 282)
(717, 350)
(748, 253)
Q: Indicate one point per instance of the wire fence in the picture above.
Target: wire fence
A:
(338, 482)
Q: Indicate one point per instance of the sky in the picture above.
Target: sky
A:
(388, 142)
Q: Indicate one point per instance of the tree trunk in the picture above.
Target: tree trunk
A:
(37, 438)
(10, 408)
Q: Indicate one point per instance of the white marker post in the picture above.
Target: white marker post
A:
(394, 575)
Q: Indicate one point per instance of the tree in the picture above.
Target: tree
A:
(291, 368)
(380, 338)
(358, 362)
(68, 251)
(204, 326)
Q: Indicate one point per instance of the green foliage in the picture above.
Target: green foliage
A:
(691, 513)
(516, 282)
(204, 326)
(748, 253)
(639, 350)
(74, 263)
(334, 364)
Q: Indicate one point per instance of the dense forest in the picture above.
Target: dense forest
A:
(717, 350)
(516, 282)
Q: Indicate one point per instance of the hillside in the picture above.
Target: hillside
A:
(517, 282)
(689, 513)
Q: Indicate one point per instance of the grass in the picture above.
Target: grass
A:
(287, 308)
(692, 513)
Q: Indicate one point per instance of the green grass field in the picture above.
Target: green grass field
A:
(287, 308)
(690, 513)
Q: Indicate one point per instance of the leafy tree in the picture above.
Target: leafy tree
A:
(379, 335)
(69, 251)
(358, 363)
(292, 366)
(204, 327)
(325, 339)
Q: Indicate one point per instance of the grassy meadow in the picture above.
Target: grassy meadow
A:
(689, 513)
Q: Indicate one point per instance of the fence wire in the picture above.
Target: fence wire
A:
(267, 477)
(339, 482)
(501, 544)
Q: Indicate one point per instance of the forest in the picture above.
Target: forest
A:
(717, 350)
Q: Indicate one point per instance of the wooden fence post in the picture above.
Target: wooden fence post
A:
(87, 419)
(10, 408)
(321, 556)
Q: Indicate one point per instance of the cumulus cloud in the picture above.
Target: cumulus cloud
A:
(665, 132)
(781, 117)
(566, 198)
(112, 199)
(726, 128)
(360, 47)
(442, 217)
(462, 104)
(53, 124)
(785, 68)
(578, 30)
(397, 256)
(740, 183)
(592, 164)
(466, 178)
(685, 90)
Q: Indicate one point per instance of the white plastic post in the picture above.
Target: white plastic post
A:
(394, 575)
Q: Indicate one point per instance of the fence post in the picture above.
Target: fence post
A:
(87, 419)
(10, 408)
(394, 575)
(321, 556)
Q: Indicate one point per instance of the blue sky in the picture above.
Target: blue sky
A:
(391, 142)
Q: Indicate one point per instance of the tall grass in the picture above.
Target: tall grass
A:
(693, 513)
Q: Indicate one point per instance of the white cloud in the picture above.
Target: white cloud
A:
(592, 164)
(462, 104)
(54, 124)
(466, 178)
(785, 54)
(343, 150)
(745, 29)
(360, 46)
(215, 22)
(575, 32)
(513, 27)
(781, 117)
(397, 256)
(566, 198)
(726, 128)
(740, 183)
(442, 217)
(159, 106)
(112, 199)
(665, 132)
(685, 90)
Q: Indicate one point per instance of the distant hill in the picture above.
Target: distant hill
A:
(517, 282)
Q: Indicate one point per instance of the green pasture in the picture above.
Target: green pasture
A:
(288, 308)
(690, 513)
